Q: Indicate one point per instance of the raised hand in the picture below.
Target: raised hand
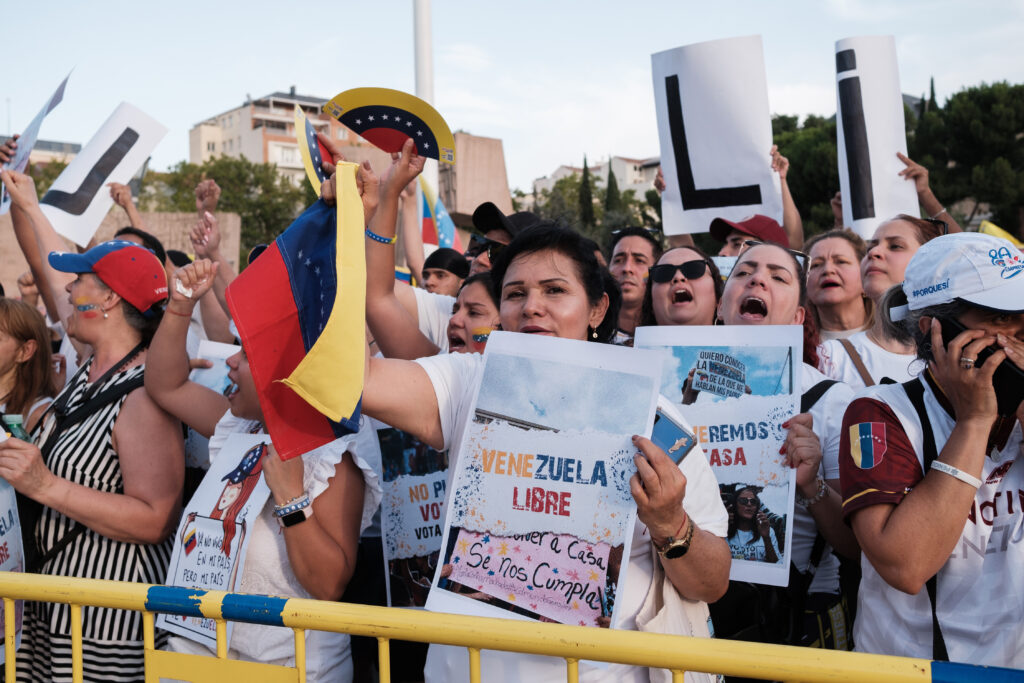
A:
(405, 166)
(780, 164)
(193, 280)
(914, 171)
(21, 187)
(7, 149)
(207, 196)
(205, 236)
(121, 194)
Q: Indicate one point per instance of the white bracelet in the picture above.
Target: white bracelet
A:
(936, 216)
(954, 472)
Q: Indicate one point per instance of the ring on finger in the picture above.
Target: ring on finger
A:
(967, 363)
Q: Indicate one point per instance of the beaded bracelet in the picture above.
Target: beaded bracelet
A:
(380, 238)
(294, 505)
(821, 493)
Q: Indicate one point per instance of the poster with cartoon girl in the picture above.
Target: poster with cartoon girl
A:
(210, 546)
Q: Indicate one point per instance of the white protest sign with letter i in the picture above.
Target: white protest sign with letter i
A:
(27, 140)
(870, 131)
(716, 134)
(78, 200)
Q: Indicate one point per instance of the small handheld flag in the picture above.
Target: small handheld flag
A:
(312, 150)
(300, 312)
(438, 227)
(387, 118)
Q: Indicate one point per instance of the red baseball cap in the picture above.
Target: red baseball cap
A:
(757, 226)
(133, 272)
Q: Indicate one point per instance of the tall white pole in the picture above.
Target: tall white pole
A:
(424, 50)
(422, 39)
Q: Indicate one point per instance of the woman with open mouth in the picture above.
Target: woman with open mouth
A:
(767, 286)
(683, 288)
(835, 296)
(881, 351)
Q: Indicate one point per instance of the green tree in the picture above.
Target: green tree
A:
(813, 176)
(586, 197)
(45, 174)
(612, 198)
(266, 201)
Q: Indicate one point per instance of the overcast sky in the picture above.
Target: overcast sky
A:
(553, 80)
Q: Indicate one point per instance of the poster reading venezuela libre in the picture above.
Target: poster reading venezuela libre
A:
(736, 385)
(540, 516)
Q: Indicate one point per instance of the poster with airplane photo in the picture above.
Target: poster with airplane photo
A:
(540, 517)
(736, 388)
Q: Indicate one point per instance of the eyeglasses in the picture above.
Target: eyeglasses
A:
(691, 270)
(941, 225)
(747, 501)
(478, 244)
(801, 257)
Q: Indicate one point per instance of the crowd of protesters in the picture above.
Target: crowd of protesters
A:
(910, 501)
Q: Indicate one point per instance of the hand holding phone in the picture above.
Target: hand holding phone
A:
(1008, 379)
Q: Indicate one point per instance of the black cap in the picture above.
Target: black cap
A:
(489, 217)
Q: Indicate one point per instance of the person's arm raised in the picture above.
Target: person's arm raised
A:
(167, 363)
(122, 196)
(925, 197)
(791, 221)
(412, 234)
(392, 321)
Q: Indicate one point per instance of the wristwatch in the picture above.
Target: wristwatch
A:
(673, 548)
(297, 517)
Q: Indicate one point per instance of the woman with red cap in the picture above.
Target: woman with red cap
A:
(106, 468)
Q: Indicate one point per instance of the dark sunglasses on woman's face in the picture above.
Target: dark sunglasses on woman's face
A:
(747, 501)
(478, 244)
(691, 270)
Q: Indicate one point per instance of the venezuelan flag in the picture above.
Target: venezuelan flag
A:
(300, 313)
(190, 541)
(867, 444)
(438, 227)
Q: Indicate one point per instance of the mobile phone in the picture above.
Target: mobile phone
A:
(1008, 380)
(676, 440)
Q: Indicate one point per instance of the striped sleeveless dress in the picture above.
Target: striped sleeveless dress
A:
(112, 643)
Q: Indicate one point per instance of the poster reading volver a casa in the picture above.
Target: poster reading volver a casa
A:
(540, 516)
(215, 529)
(737, 385)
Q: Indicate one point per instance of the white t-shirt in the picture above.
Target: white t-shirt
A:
(835, 362)
(748, 545)
(267, 570)
(828, 423)
(434, 311)
(980, 588)
(455, 378)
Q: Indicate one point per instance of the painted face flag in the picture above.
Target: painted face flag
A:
(387, 118)
(300, 311)
(438, 227)
(312, 150)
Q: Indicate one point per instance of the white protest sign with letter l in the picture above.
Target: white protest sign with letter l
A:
(77, 201)
(870, 131)
(715, 130)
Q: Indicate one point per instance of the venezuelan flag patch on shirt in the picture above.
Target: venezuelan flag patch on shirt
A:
(867, 444)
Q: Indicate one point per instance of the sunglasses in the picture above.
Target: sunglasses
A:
(747, 501)
(691, 270)
(478, 244)
(653, 232)
(800, 256)
(941, 225)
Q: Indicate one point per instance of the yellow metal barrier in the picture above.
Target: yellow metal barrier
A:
(572, 643)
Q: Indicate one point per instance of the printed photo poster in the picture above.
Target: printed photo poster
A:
(412, 511)
(27, 140)
(197, 446)
(736, 386)
(715, 129)
(540, 516)
(870, 130)
(78, 200)
(215, 529)
(12, 556)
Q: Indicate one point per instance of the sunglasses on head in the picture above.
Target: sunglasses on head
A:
(691, 270)
(478, 244)
(941, 225)
(801, 257)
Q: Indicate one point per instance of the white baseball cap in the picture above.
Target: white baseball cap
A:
(980, 269)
